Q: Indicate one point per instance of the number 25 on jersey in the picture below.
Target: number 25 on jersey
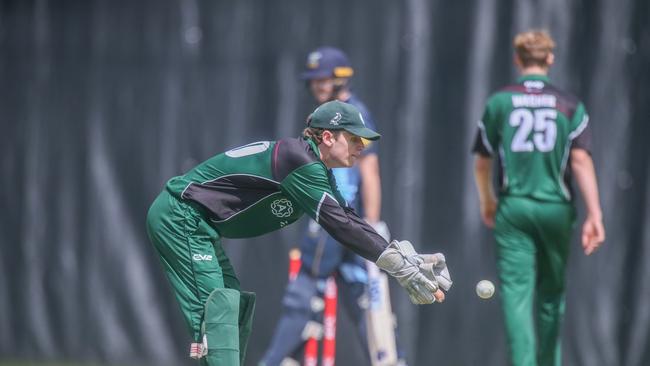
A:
(541, 122)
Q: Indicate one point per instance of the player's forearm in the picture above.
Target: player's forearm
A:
(483, 178)
(584, 172)
(370, 187)
(353, 232)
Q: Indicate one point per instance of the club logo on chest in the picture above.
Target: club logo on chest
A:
(282, 207)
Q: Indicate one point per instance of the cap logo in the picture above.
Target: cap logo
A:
(335, 120)
(361, 118)
(313, 60)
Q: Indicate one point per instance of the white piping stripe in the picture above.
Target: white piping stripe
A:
(502, 154)
(248, 175)
(565, 158)
(185, 189)
(583, 124)
(224, 176)
(320, 203)
(484, 138)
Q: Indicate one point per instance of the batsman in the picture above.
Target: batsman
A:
(255, 189)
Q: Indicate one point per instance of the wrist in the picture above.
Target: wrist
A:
(491, 199)
(370, 221)
(595, 215)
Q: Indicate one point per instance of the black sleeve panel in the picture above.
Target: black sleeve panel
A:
(583, 140)
(479, 146)
(288, 155)
(566, 103)
(344, 225)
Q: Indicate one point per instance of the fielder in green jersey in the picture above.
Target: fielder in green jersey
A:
(255, 189)
(541, 135)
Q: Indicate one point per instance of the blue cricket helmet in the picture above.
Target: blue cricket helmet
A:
(327, 62)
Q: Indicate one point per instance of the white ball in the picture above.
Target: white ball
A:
(485, 289)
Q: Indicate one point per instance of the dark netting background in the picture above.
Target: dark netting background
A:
(102, 101)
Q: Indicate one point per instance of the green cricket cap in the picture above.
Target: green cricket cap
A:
(336, 115)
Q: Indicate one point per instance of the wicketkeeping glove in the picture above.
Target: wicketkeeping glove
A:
(401, 261)
(435, 267)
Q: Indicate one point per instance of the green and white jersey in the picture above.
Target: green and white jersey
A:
(263, 186)
(532, 126)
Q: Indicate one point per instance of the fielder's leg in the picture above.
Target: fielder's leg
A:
(246, 311)
(191, 253)
(184, 243)
(517, 274)
(230, 279)
(221, 327)
(553, 252)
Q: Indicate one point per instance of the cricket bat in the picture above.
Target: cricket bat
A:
(380, 320)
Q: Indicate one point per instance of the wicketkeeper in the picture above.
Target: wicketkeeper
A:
(255, 189)
(327, 75)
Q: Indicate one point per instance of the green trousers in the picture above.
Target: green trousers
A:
(192, 255)
(532, 248)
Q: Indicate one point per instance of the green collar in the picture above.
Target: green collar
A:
(314, 147)
(533, 77)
